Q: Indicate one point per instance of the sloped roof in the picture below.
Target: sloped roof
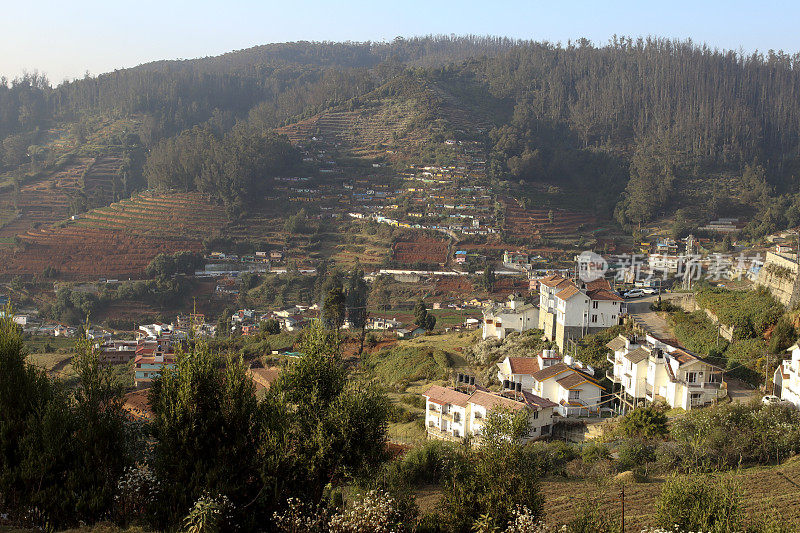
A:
(684, 356)
(443, 396)
(638, 355)
(552, 280)
(491, 400)
(603, 294)
(617, 343)
(540, 402)
(575, 379)
(597, 284)
(550, 371)
(523, 365)
(567, 292)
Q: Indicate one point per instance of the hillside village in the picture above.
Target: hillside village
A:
(430, 285)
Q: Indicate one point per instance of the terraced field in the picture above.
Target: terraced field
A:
(766, 491)
(116, 241)
(44, 201)
(189, 215)
(364, 131)
(535, 223)
(382, 121)
(421, 250)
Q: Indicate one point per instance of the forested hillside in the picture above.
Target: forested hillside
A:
(645, 126)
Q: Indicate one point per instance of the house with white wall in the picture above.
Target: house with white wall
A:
(787, 378)
(521, 369)
(572, 309)
(647, 370)
(512, 315)
(574, 391)
(453, 414)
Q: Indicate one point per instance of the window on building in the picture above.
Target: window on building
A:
(691, 377)
(594, 305)
(594, 319)
(574, 394)
(536, 415)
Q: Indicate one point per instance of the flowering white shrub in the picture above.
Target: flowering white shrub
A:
(376, 512)
(300, 517)
(208, 514)
(136, 488)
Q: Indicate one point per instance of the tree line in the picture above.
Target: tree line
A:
(632, 121)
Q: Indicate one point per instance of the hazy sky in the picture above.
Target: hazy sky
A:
(64, 39)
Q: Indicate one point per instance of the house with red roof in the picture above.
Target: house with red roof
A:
(520, 369)
(575, 391)
(456, 413)
(572, 309)
(572, 387)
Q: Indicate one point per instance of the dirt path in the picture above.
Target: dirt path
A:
(651, 321)
(58, 367)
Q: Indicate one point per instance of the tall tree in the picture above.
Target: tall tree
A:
(357, 293)
(206, 429)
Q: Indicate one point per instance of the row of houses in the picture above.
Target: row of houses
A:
(551, 386)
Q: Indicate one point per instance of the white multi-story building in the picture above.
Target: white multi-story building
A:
(574, 391)
(647, 370)
(452, 414)
(513, 315)
(571, 310)
(663, 263)
(787, 378)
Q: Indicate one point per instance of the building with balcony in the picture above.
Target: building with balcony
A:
(647, 370)
(572, 309)
(453, 414)
(572, 388)
(787, 378)
(575, 392)
(512, 315)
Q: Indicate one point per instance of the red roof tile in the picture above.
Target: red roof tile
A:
(550, 371)
(523, 365)
(443, 396)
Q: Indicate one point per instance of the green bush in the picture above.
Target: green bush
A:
(749, 312)
(414, 400)
(593, 452)
(734, 434)
(551, 458)
(697, 333)
(427, 464)
(645, 423)
(702, 503)
(636, 455)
